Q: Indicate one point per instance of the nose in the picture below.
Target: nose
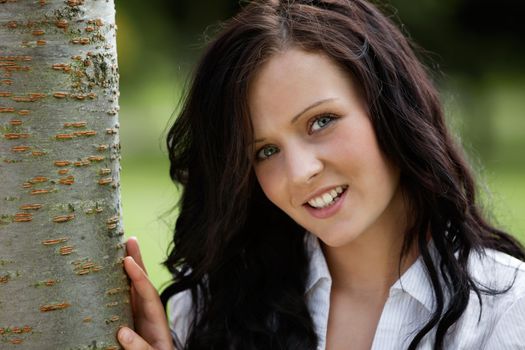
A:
(303, 164)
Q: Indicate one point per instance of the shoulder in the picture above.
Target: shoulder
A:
(494, 319)
(180, 316)
(497, 318)
(497, 270)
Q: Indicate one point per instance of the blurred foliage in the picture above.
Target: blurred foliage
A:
(475, 49)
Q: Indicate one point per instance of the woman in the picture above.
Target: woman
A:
(324, 203)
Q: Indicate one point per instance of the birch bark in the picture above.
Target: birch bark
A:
(62, 285)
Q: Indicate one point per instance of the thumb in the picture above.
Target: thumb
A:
(131, 340)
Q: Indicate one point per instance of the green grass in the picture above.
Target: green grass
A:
(507, 200)
(148, 197)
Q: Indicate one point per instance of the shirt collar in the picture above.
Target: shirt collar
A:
(317, 267)
(414, 281)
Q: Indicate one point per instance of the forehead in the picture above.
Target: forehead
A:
(294, 79)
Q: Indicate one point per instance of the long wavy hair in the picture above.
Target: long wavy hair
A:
(243, 259)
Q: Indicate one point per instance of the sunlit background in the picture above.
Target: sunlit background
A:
(477, 46)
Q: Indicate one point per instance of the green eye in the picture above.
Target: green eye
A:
(266, 152)
(321, 122)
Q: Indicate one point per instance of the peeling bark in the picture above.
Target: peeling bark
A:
(62, 285)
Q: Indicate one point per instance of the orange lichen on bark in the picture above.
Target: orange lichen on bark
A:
(61, 66)
(60, 94)
(38, 179)
(16, 68)
(18, 149)
(69, 180)
(37, 192)
(62, 163)
(53, 307)
(62, 24)
(85, 133)
(63, 218)
(74, 3)
(81, 41)
(55, 241)
(83, 162)
(23, 217)
(75, 125)
(64, 136)
(32, 97)
(16, 136)
(31, 206)
(105, 181)
(65, 250)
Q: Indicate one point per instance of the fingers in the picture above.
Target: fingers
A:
(133, 250)
(131, 340)
(140, 281)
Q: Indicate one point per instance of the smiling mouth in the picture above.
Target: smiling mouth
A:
(328, 198)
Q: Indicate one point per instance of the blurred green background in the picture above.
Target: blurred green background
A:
(477, 48)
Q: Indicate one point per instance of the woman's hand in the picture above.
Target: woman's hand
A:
(148, 312)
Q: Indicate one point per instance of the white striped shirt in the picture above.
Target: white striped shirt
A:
(410, 304)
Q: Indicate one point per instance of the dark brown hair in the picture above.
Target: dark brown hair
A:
(244, 257)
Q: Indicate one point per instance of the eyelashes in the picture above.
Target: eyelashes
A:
(315, 125)
(320, 122)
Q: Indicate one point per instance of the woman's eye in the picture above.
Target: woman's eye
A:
(266, 152)
(321, 122)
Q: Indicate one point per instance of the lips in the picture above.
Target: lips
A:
(330, 209)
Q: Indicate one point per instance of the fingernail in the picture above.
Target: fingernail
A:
(126, 335)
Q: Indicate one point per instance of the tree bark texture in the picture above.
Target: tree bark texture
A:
(62, 285)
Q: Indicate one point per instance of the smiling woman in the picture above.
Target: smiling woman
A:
(328, 146)
(324, 203)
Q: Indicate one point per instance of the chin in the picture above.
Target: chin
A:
(336, 240)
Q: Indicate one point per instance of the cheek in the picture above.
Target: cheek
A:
(270, 184)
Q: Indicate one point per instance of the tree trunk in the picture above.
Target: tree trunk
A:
(62, 285)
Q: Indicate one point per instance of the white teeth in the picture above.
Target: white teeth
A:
(327, 198)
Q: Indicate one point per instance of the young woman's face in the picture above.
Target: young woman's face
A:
(317, 156)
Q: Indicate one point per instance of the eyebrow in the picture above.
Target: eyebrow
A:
(298, 115)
